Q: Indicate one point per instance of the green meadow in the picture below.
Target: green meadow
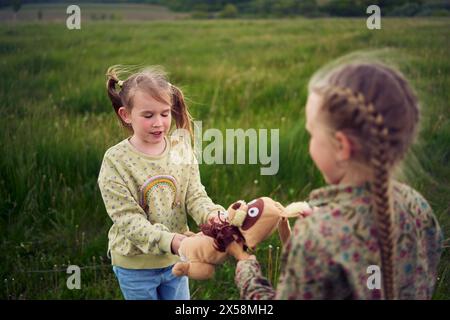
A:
(57, 123)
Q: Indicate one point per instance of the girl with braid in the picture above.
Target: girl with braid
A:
(149, 182)
(369, 236)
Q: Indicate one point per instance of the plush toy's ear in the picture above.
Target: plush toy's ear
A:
(296, 209)
(237, 213)
(238, 218)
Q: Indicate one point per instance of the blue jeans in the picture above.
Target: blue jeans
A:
(152, 284)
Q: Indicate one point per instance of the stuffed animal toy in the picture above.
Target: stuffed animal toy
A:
(249, 224)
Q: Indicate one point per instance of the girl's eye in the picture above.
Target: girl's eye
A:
(165, 114)
(148, 116)
(253, 212)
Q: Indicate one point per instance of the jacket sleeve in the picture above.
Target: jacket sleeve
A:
(309, 271)
(129, 217)
(306, 272)
(251, 283)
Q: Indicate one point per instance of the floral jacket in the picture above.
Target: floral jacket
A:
(334, 253)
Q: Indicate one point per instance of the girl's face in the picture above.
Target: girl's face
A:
(322, 148)
(149, 118)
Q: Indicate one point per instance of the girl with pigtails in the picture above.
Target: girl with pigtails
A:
(149, 182)
(362, 118)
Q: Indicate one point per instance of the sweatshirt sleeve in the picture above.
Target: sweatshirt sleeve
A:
(129, 217)
(198, 204)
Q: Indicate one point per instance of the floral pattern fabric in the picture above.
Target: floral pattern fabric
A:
(331, 253)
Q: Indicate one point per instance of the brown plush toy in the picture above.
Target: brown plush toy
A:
(249, 224)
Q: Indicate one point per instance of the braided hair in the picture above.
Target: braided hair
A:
(375, 107)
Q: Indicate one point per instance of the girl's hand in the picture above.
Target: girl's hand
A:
(236, 250)
(307, 213)
(284, 230)
(189, 234)
(176, 241)
(214, 217)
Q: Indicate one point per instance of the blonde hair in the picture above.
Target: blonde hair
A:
(378, 111)
(152, 80)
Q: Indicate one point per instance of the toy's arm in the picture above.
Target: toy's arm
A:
(299, 209)
(284, 230)
(236, 250)
(302, 209)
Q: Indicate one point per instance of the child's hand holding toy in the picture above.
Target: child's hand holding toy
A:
(244, 225)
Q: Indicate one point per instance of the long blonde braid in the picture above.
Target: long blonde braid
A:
(378, 111)
(373, 121)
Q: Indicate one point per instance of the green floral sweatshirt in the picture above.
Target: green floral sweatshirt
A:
(148, 199)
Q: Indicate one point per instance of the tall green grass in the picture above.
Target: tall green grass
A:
(57, 123)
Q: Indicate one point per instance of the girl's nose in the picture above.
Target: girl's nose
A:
(158, 122)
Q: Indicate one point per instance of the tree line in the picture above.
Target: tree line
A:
(279, 8)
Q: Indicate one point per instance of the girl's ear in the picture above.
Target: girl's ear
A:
(344, 146)
(124, 114)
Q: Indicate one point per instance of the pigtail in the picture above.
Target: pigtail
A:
(180, 112)
(113, 94)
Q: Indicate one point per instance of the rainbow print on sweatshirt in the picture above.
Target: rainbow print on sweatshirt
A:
(158, 181)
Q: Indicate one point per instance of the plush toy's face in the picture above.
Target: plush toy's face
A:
(254, 212)
(250, 223)
(256, 220)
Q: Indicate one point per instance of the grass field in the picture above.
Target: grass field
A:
(57, 124)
